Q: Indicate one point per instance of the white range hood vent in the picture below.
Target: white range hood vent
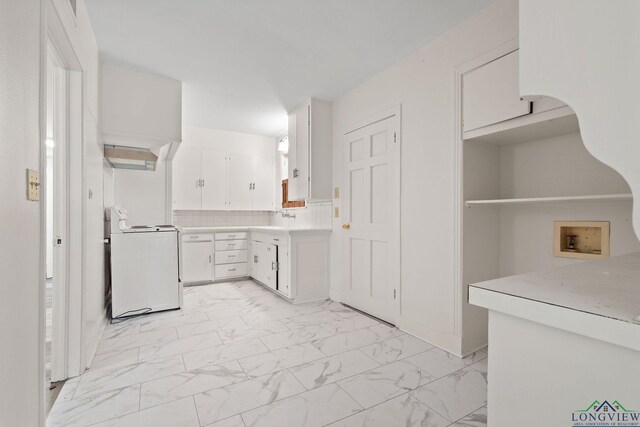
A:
(131, 158)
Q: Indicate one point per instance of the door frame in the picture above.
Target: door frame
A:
(60, 187)
(70, 289)
(394, 113)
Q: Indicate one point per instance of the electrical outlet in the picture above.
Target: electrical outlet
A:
(336, 192)
(33, 185)
(336, 212)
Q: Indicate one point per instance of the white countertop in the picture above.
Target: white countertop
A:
(266, 228)
(609, 288)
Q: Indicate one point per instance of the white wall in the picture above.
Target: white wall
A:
(424, 84)
(140, 109)
(20, 262)
(585, 53)
(216, 139)
(553, 167)
(143, 193)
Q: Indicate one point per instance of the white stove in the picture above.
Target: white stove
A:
(144, 267)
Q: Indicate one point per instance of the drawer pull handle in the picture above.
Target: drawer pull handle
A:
(231, 256)
(232, 235)
(276, 240)
(232, 269)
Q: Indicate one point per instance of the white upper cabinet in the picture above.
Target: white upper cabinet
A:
(214, 180)
(187, 179)
(140, 109)
(240, 181)
(491, 94)
(221, 180)
(310, 144)
(263, 193)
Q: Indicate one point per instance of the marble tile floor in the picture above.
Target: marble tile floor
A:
(237, 355)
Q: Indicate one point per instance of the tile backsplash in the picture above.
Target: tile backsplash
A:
(314, 215)
(220, 218)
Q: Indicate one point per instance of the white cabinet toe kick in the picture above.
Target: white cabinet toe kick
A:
(292, 263)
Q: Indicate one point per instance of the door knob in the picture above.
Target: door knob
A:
(346, 226)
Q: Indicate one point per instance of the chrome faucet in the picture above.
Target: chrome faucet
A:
(286, 214)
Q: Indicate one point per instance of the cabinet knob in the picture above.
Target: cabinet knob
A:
(346, 226)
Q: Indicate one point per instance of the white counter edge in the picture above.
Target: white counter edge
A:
(614, 331)
(264, 229)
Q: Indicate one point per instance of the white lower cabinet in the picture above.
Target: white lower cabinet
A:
(228, 271)
(265, 267)
(295, 264)
(196, 258)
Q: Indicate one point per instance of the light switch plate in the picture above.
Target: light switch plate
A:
(33, 185)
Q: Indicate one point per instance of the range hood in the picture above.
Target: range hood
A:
(131, 158)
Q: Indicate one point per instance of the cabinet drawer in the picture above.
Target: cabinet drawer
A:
(274, 239)
(228, 257)
(230, 245)
(187, 238)
(236, 235)
(231, 270)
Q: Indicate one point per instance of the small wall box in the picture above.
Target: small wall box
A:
(590, 239)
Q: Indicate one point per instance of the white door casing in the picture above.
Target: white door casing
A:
(371, 227)
(59, 111)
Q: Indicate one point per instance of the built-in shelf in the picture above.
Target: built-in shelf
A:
(550, 200)
(532, 127)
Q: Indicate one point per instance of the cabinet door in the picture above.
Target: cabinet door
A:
(214, 180)
(292, 155)
(263, 195)
(270, 266)
(240, 177)
(197, 261)
(491, 93)
(299, 175)
(187, 172)
(257, 260)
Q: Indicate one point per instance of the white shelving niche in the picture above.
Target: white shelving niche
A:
(517, 177)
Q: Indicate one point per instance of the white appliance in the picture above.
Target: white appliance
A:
(144, 267)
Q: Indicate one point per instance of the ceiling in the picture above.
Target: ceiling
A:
(244, 63)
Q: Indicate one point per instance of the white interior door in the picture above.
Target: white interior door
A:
(372, 223)
(214, 180)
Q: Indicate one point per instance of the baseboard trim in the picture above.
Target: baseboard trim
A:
(446, 341)
(93, 343)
